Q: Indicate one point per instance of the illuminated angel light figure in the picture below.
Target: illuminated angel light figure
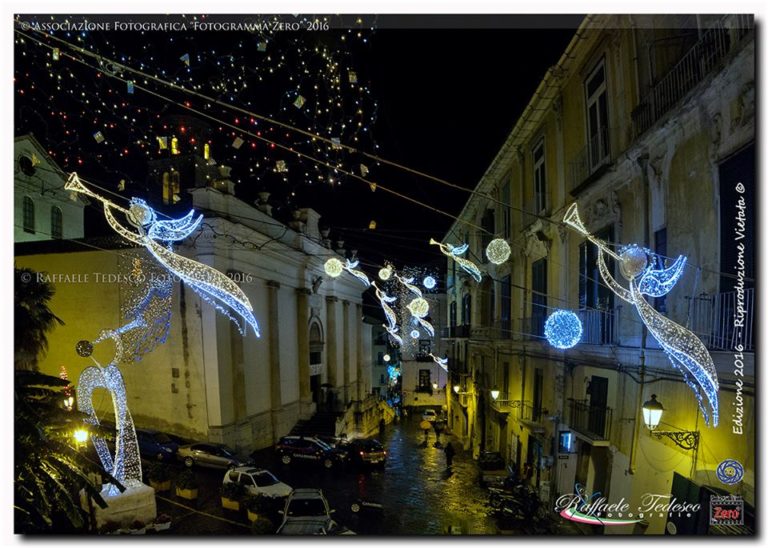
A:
(334, 267)
(418, 307)
(211, 285)
(647, 275)
(453, 252)
(442, 362)
(391, 325)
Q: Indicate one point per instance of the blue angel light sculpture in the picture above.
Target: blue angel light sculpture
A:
(647, 275)
(147, 322)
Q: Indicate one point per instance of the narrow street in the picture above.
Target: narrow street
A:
(418, 494)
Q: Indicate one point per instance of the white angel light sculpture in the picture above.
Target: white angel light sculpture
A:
(647, 275)
(418, 307)
(453, 252)
(147, 322)
(391, 325)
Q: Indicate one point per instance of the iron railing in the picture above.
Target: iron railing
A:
(692, 68)
(590, 420)
(599, 326)
(714, 319)
(455, 332)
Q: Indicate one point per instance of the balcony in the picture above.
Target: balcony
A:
(592, 161)
(703, 57)
(599, 326)
(713, 319)
(591, 423)
(532, 416)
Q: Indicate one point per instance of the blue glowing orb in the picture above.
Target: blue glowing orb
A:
(429, 282)
(415, 334)
(563, 329)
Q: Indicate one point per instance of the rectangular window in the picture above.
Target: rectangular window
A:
(453, 314)
(506, 211)
(425, 378)
(539, 296)
(539, 178)
(506, 307)
(660, 239)
(597, 117)
(380, 358)
(593, 293)
(28, 214)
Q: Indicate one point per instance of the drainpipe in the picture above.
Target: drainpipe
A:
(635, 58)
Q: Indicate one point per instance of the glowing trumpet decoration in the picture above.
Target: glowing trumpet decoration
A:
(453, 252)
(647, 275)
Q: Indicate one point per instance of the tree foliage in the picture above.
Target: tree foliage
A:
(49, 470)
(33, 318)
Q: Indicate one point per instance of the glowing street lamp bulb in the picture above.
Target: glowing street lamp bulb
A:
(419, 307)
(386, 357)
(385, 273)
(333, 267)
(456, 388)
(429, 282)
(415, 334)
(81, 436)
(498, 251)
(495, 394)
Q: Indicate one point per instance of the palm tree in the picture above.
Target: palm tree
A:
(49, 470)
(33, 318)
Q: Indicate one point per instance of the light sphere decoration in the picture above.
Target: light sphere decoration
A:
(84, 348)
(429, 282)
(498, 251)
(386, 357)
(415, 334)
(563, 329)
(333, 267)
(419, 307)
(385, 273)
(634, 261)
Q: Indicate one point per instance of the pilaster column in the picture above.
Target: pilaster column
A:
(330, 338)
(302, 335)
(275, 394)
(347, 342)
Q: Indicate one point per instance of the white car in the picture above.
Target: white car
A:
(429, 415)
(258, 482)
(307, 512)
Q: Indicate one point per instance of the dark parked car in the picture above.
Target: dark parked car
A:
(156, 445)
(307, 449)
(493, 470)
(366, 452)
(208, 454)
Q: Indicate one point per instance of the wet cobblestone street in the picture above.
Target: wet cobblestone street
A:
(419, 495)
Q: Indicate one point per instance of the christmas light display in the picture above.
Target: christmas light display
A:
(125, 464)
(211, 285)
(418, 307)
(498, 251)
(385, 273)
(563, 329)
(415, 334)
(391, 325)
(429, 282)
(334, 267)
(646, 276)
(453, 252)
(442, 362)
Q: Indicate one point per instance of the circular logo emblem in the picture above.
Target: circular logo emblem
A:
(730, 471)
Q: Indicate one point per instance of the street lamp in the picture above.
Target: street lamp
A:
(685, 439)
(495, 394)
(456, 388)
(80, 435)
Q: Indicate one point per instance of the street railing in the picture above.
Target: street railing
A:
(715, 321)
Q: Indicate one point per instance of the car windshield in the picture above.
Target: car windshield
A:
(223, 452)
(370, 445)
(265, 479)
(306, 507)
(324, 445)
(162, 438)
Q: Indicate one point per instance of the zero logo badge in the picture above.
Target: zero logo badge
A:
(726, 510)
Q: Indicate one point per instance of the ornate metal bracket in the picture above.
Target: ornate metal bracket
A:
(684, 439)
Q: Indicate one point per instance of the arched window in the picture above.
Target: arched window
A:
(315, 344)
(28, 214)
(57, 223)
(166, 188)
(466, 312)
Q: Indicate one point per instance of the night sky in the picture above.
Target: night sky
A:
(438, 101)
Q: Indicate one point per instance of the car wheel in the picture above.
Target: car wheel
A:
(355, 507)
(328, 464)
(189, 462)
(285, 459)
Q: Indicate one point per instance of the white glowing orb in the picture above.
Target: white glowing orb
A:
(333, 267)
(429, 282)
(419, 307)
(386, 357)
(415, 334)
(498, 251)
(385, 273)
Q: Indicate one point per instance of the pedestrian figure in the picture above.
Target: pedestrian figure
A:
(382, 424)
(449, 452)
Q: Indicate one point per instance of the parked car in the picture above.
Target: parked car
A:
(365, 452)
(308, 449)
(307, 512)
(257, 482)
(429, 415)
(208, 454)
(156, 445)
(493, 470)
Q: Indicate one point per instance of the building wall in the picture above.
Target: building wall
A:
(665, 175)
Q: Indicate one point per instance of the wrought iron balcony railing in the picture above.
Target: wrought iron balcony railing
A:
(590, 420)
(717, 322)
